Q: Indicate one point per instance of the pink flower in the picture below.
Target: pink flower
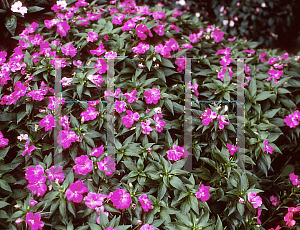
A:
(174, 28)
(231, 39)
(129, 119)
(160, 30)
(172, 44)
(83, 165)
(203, 193)
(131, 96)
(130, 24)
(225, 51)
(258, 215)
(294, 179)
(194, 38)
(102, 65)
(32, 202)
(254, 199)
(3, 141)
(208, 117)
(34, 173)
(111, 55)
(100, 50)
(141, 31)
(160, 125)
(64, 122)
(55, 173)
(268, 148)
(66, 137)
(289, 219)
(108, 165)
(277, 228)
(92, 36)
(146, 127)
(38, 186)
(53, 104)
(121, 199)
(37, 94)
(291, 121)
(18, 8)
(217, 35)
(63, 28)
(187, 46)
(94, 200)
(69, 50)
(223, 72)
(159, 15)
(145, 202)
(141, 48)
(96, 79)
(152, 96)
(272, 61)
(34, 221)
(28, 149)
(226, 60)
(232, 148)
(176, 153)
(97, 151)
(294, 209)
(74, 193)
(117, 20)
(120, 106)
(262, 56)
(222, 121)
(89, 115)
(274, 200)
(147, 227)
(275, 74)
(180, 62)
(48, 122)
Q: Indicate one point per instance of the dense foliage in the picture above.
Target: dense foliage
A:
(144, 185)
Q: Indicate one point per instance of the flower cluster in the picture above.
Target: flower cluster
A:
(254, 199)
(293, 119)
(289, 216)
(294, 179)
(36, 179)
(177, 153)
(232, 148)
(3, 141)
(208, 117)
(267, 148)
(152, 96)
(203, 193)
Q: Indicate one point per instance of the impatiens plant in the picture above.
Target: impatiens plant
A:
(94, 134)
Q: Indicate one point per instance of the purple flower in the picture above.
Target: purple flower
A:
(152, 96)
(141, 48)
(3, 141)
(145, 202)
(254, 199)
(74, 193)
(217, 35)
(55, 172)
(222, 121)
(147, 227)
(160, 30)
(232, 148)
(203, 193)
(89, 115)
(111, 55)
(180, 62)
(69, 50)
(94, 200)
(141, 31)
(96, 79)
(268, 148)
(120, 106)
(117, 20)
(48, 122)
(62, 28)
(102, 65)
(108, 165)
(208, 117)
(146, 127)
(175, 154)
(159, 15)
(28, 149)
(66, 137)
(38, 187)
(100, 50)
(83, 165)
(92, 36)
(121, 199)
(130, 24)
(97, 151)
(131, 96)
(34, 221)
(129, 119)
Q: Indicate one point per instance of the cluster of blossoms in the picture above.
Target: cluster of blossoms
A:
(3, 141)
(176, 153)
(203, 193)
(194, 88)
(208, 117)
(289, 216)
(37, 180)
(294, 179)
(158, 123)
(34, 221)
(232, 149)
(152, 96)
(89, 115)
(267, 148)
(225, 62)
(293, 119)
(165, 50)
(256, 201)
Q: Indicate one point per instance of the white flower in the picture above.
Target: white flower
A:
(23, 137)
(18, 8)
(263, 4)
(231, 23)
(62, 4)
(225, 22)
(197, 14)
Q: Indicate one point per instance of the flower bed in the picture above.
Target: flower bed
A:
(57, 170)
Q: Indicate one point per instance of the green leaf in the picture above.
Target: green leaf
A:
(89, 140)
(219, 225)
(70, 226)
(168, 139)
(166, 62)
(130, 165)
(177, 183)
(149, 64)
(11, 24)
(3, 153)
(71, 208)
(20, 116)
(252, 87)
(161, 191)
(271, 113)
(287, 103)
(287, 170)
(4, 185)
(123, 227)
(148, 82)
(263, 96)
(169, 105)
(32, 9)
(79, 88)
(160, 74)
(3, 204)
(28, 59)
(95, 226)
(63, 209)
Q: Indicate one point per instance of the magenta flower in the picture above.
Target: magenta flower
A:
(160, 125)
(3, 141)
(274, 200)
(38, 186)
(63, 28)
(272, 61)
(208, 117)
(225, 51)
(226, 60)
(292, 120)
(97, 151)
(129, 119)
(64, 122)
(108, 165)
(130, 24)
(117, 20)
(121, 199)
(175, 154)
(294, 178)
(69, 50)
(160, 30)
(34, 173)
(83, 165)
(222, 73)
(96, 79)
(172, 44)
(268, 148)
(289, 219)
(176, 29)
(152, 96)
(89, 115)
(180, 62)
(145, 202)
(37, 94)
(102, 65)
(254, 199)
(159, 15)
(92, 36)
(262, 56)
(32, 202)
(28, 149)
(142, 30)
(94, 200)
(111, 55)
(217, 35)
(146, 127)
(232, 148)
(147, 227)
(194, 38)
(222, 121)
(55, 173)
(48, 122)
(131, 96)
(258, 215)
(141, 48)
(120, 106)
(203, 193)
(275, 74)
(66, 137)
(194, 88)
(53, 104)
(74, 193)
(100, 50)
(34, 221)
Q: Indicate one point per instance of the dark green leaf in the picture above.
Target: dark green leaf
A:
(11, 24)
